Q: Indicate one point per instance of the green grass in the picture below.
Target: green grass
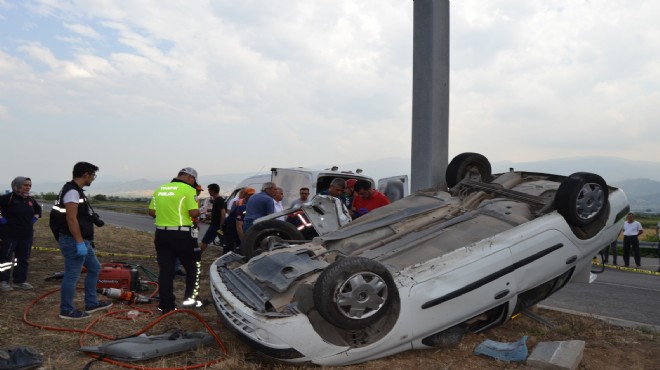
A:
(122, 206)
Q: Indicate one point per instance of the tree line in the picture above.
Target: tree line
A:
(50, 196)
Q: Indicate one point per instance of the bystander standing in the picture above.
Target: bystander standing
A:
(367, 199)
(239, 217)
(277, 202)
(349, 194)
(18, 213)
(218, 213)
(336, 188)
(631, 231)
(304, 195)
(606, 251)
(260, 205)
(72, 221)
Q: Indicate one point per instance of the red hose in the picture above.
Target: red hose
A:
(88, 330)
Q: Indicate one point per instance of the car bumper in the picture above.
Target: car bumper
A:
(289, 338)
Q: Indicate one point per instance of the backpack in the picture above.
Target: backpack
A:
(56, 218)
(54, 226)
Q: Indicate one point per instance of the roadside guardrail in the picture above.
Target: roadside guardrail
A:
(642, 245)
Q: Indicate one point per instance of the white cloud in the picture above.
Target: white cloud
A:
(564, 81)
(329, 81)
(83, 30)
(4, 113)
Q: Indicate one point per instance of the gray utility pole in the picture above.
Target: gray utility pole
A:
(430, 117)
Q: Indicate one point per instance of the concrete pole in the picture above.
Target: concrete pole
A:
(430, 116)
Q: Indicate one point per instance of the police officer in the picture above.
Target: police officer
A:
(173, 205)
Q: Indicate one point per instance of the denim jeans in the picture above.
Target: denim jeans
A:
(210, 234)
(21, 249)
(73, 264)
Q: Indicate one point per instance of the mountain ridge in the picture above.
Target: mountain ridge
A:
(639, 179)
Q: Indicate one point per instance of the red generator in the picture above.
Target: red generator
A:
(118, 275)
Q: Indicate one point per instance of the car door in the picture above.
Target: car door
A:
(541, 256)
(291, 180)
(395, 187)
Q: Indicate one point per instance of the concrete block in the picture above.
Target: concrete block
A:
(565, 355)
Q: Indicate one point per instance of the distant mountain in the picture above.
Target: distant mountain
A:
(610, 168)
(643, 194)
(639, 187)
(639, 179)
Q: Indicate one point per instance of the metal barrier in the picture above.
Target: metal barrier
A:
(642, 245)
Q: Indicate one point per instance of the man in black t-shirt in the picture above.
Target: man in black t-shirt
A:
(218, 213)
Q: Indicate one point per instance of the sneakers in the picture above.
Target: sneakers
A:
(75, 315)
(100, 305)
(78, 315)
(5, 287)
(194, 303)
(24, 286)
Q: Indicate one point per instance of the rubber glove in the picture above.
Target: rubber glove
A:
(3, 221)
(34, 219)
(361, 212)
(81, 248)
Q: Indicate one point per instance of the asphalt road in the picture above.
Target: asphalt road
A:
(621, 295)
(135, 221)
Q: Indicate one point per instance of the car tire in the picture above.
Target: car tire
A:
(257, 237)
(582, 199)
(354, 292)
(474, 165)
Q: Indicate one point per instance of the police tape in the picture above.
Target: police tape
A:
(631, 269)
(104, 254)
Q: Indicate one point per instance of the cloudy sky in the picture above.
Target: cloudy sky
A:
(144, 88)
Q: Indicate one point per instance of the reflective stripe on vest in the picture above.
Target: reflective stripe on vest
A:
(63, 210)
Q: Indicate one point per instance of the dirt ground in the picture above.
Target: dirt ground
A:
(607, 346)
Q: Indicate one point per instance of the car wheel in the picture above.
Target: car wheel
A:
(354, 293)
(259, 235)
(472, 165)
(581, 198)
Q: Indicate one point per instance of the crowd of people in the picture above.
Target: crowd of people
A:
(175, 209)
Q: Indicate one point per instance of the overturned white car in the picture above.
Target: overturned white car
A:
(438, 261)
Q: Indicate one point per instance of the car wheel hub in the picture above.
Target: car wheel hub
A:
(361, 295)
(590, 200)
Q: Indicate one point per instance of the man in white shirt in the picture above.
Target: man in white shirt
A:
(277, 199)
(304, 196)
(631, 231)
